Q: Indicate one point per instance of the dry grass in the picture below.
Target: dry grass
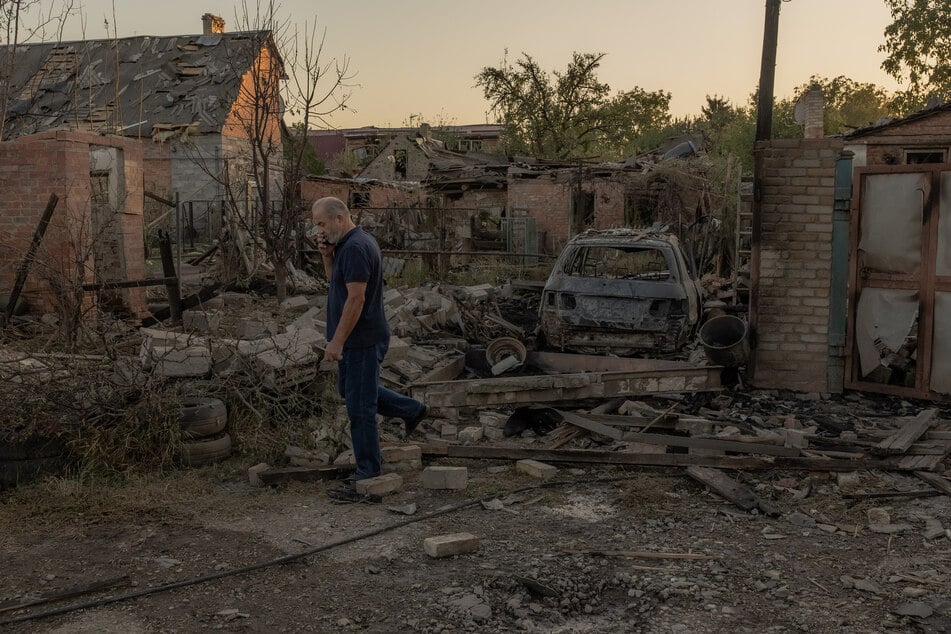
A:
(74, 500)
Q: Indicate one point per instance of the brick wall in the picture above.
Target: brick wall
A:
(888, 145)
(547, 198)
(791, 302)
(33, 167)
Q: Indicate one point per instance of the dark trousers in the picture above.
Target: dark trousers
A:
(358, 381)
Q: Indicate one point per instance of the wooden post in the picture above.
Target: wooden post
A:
(767, 72)
(30, 254)
(168, 269)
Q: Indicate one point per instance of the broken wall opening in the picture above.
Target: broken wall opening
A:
(900, 312)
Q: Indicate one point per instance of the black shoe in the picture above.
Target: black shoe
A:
(411, 425)
(349, 495)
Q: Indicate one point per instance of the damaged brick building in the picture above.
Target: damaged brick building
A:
(174, 110)
(851, 283)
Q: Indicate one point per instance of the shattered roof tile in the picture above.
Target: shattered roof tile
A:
(175, 80)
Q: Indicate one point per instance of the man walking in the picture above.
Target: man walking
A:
(358, 337)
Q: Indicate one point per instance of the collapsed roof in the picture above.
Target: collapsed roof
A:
(127, 86)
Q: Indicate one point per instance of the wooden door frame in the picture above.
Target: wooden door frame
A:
(924, 282)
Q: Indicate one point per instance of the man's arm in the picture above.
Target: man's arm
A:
(352, 308)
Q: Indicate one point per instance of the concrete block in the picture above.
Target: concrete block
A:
(404, 466)
(250, 329)
(203, 321)
(306, 457)
(296, 303)
(470, 434)
(309, 319)
(345, 457)
(172, 362)
(380, 485)
(492, 433)
(236, 300)
(493, 419)
(449, 432)
(397, 350)
(536, 469)
(454, 478)
(254, 473)
(401, 453)
(452, 544)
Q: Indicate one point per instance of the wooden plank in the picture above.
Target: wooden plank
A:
(567, 363)
(741, 495)
(446, 372)
(938, 482)
(920, 463)
(155, 281)
(712, 443)
(907, 435)
(592, 426)
(564, 387)
(304, 474)
(202, 296)
(586, 456)
(725, 487)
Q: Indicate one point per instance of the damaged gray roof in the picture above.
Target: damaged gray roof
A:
(127, 86)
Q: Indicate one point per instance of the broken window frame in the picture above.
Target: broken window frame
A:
(926, 156)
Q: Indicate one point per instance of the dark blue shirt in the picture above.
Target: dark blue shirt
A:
(357, 258)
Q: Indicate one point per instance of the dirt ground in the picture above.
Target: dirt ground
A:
(756, 574)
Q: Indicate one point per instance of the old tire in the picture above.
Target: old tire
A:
(196, 453)
(202, 417)
(31, 448)
(14, 472)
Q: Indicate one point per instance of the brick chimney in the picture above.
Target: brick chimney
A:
(813, 103)
(212, 24)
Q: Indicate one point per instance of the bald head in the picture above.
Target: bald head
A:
(332, 218)
(330, 207)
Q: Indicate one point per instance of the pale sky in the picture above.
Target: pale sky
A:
(420, 56)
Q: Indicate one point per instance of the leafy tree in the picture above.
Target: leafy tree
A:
(918, 48)
(570, 113)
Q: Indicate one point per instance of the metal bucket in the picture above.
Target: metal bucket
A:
(725, 340)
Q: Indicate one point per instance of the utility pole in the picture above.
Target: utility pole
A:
(767, 72)
(764, 131)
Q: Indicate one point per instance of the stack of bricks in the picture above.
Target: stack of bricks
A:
(791, 303)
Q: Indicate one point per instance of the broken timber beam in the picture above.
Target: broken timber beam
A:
(155, 281)
(732, 490)
(911, 431)
(938, 482)
(566, 387)
(203, 295)
(564, 362)
(24, 267)
(304, 474)
(588, 456)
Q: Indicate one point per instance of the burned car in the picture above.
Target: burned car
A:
(621, 292)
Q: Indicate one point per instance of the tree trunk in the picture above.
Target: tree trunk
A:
(280, 280)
